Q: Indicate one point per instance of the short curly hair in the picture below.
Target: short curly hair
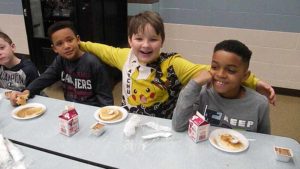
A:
(60, 25)
(236, 47)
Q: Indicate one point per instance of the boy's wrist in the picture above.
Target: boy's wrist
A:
(26, 91)
(203, 78)
(200, 82)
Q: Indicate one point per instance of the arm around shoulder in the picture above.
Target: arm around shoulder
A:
(110, 55)
(261, 87)
(103, 86)
(186, 70)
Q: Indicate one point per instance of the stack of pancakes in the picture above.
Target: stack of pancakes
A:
(29, 112)
(110, 114)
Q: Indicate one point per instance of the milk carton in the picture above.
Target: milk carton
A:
(198, 128)
(68, 122)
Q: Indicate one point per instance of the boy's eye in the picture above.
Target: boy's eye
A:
(70, 40)
(213, 67)
(231, 70)
(138, 39)
(2, 47)
(58, 44)
(153, 39)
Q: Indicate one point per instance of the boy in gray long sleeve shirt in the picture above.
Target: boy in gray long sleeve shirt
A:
(221, 96)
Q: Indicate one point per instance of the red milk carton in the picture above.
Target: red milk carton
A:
(198, 128)
(68, 122)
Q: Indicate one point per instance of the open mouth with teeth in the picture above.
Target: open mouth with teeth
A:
(146, 52)
(219, 83)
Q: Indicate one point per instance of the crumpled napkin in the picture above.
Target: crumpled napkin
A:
(10, 156)
(135, 121)
(129, 128)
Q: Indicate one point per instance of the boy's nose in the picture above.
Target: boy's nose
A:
(145, 44)
(221, 73)
(66, 45)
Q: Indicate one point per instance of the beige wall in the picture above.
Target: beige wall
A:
(14, 26)
(275, 59)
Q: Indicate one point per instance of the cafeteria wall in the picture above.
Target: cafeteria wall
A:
(12, 22)
(270, 28)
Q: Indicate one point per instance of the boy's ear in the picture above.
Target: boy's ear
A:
(129, 41)
(78, 39)
(53, 48)
(13, 47)
(246, 75)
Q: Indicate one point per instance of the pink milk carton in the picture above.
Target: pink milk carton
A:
(68, 122)
(198, 128)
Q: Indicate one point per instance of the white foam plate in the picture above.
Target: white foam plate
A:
(121, 109)
(13, 113)
(218, 132)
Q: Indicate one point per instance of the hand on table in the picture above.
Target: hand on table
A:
(19, 98)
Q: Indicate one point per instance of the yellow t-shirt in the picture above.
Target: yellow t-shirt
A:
(153, 89)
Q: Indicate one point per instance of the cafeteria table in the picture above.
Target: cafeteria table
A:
(114, 150)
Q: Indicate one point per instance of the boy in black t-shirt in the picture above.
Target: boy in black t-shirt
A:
(15, 73)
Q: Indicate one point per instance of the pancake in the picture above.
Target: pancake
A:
(29, 112)
(110, 114)
(229, 142)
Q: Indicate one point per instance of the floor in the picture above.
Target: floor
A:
(285, 116)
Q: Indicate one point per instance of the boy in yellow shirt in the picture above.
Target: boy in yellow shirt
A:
(151, 80)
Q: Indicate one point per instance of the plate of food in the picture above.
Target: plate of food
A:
(110, 114)
(28, 111)
(228, 140)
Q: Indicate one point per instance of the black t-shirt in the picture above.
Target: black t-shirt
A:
(19, 76)
(85, 80)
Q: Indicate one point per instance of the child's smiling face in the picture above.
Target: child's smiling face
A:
(146, 45)
(6, 52)
(229, 71)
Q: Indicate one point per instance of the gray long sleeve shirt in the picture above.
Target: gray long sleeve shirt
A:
(250, 113)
